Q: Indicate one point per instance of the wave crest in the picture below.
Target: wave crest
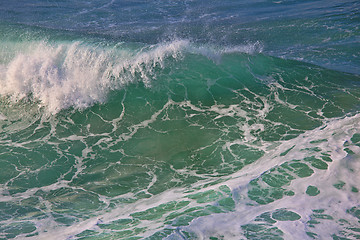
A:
(76, 75)
(60, 76)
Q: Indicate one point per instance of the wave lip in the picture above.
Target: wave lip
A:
(63, 75)
(76, 75)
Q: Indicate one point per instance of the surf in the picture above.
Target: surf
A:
(182, 120)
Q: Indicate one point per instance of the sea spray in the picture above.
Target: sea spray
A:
(78, 75)
(179, 120)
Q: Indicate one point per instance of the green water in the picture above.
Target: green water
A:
(179, 120)
(153, 158)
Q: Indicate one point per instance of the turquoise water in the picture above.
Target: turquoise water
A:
(179, 120)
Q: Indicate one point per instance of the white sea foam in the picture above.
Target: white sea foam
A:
(63, 75)
(76, 75)
(334, 202)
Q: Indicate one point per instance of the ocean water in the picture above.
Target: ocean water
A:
(180, 119)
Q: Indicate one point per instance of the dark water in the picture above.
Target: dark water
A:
(179, 120)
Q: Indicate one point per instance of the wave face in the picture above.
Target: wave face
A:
(149, 120)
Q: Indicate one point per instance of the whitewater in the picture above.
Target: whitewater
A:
(179, 120)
